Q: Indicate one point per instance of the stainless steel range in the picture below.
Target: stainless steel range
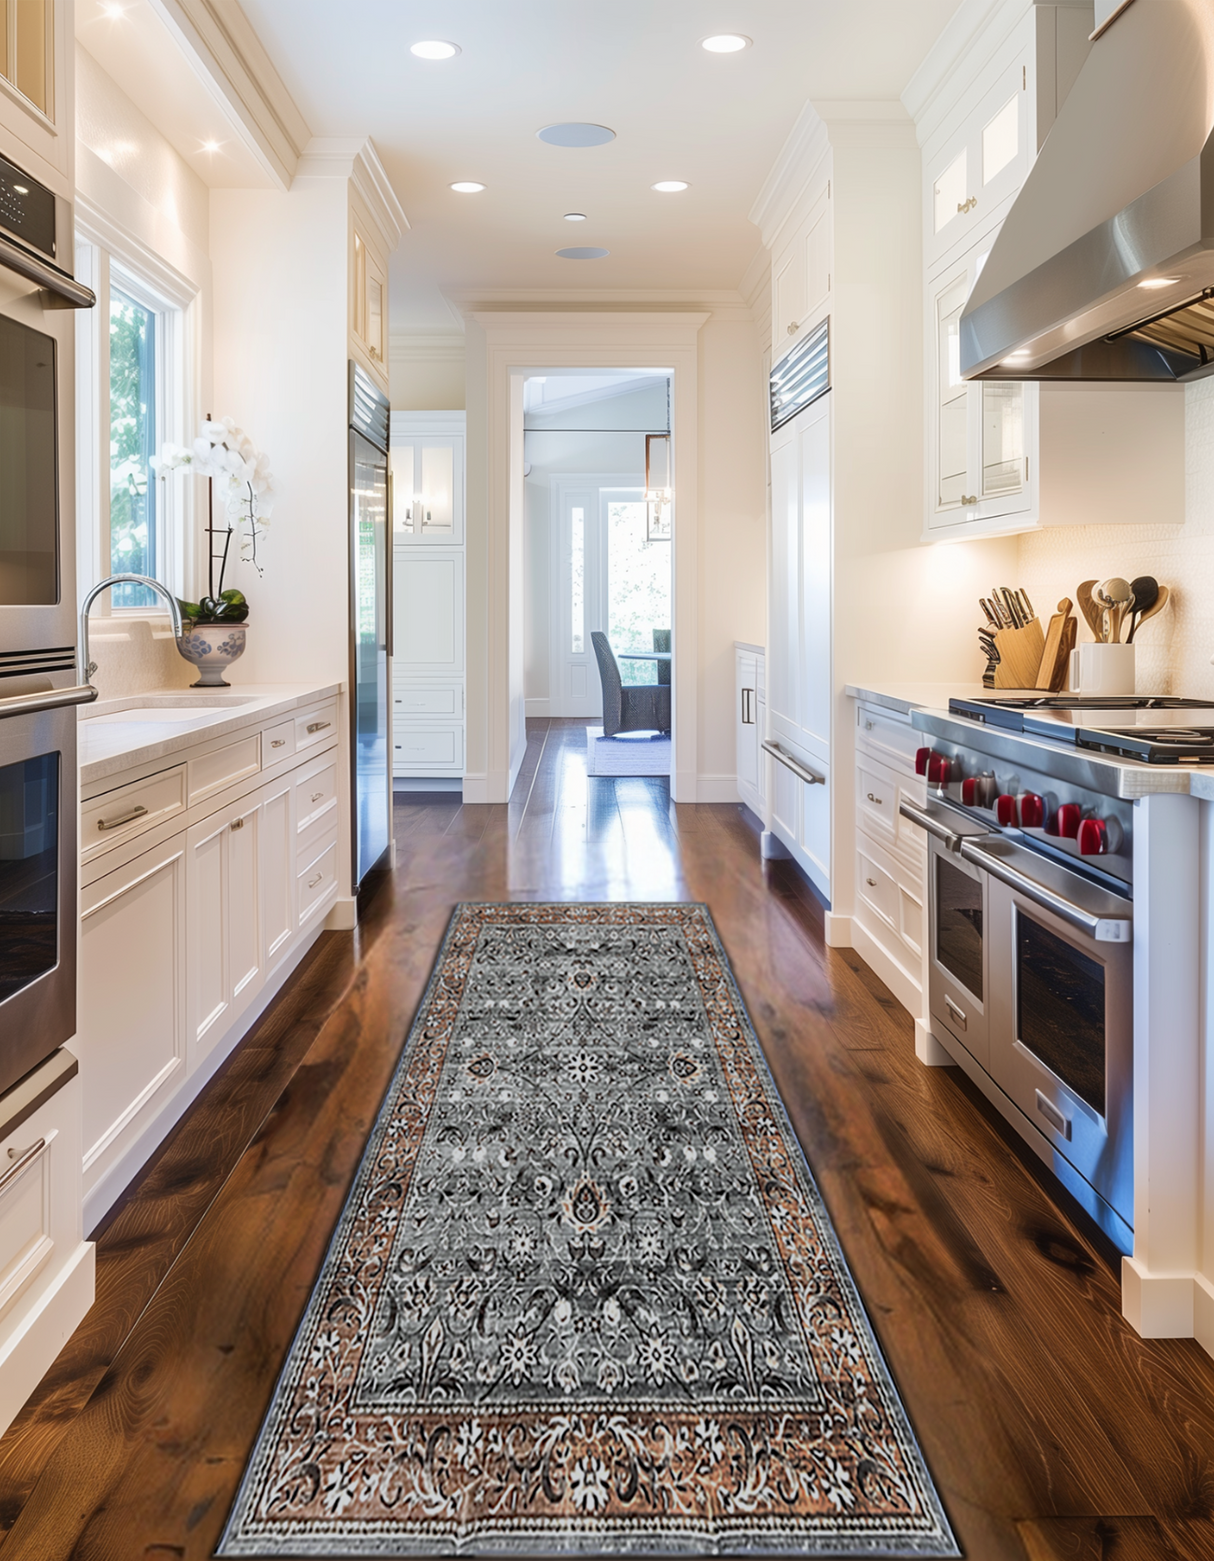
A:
(1030, 823)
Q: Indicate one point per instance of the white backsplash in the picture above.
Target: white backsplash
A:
(1175, 648)
(136, 656)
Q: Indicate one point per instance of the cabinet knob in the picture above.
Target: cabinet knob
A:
(238, 823)
(794, 327)
(871, 882)
(278, 742)
(877, 800)
(317, 795)
(969, 498)
(964, 206)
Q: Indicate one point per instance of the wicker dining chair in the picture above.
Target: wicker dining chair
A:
(643, 707)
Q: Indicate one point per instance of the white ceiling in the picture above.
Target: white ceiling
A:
(718, 121)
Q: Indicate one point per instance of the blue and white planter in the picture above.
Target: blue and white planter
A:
(212, 647)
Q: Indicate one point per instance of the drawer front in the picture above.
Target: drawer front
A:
(119, 815)
(26, 1239)
(876, 799)
(888, 737)
(428, 745)
(315, 793)
(316, 726)
(211, 772)
(316, 880)
(277, 743)
(894, 894)
(408, 701)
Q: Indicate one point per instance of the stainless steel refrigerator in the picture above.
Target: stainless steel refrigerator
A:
(370, 632)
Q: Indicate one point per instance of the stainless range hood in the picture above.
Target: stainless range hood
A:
(1104, 266)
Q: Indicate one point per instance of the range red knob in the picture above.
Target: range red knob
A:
(1093, 837)
(969, 791)
(939, 769)
(922, 759)
(1032, 810)
(1005, 809)
(1068, 819)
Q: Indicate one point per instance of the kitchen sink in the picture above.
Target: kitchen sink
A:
(165, 711)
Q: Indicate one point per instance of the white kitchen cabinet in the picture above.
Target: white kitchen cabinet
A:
(801, 273)
(36, 91)
(799, 676)
(427, 458)
(368, 299)
(186, 928)
(131, 1041)
(749, 707)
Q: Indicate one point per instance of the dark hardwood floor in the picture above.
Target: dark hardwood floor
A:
(1052, 1429)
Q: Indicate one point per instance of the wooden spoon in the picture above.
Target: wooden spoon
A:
(1089, 609)
(1161, 601)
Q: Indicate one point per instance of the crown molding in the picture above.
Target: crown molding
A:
(355, 158)
(723, 303)
(218, 40)
(807, 144)
(426, 346)
(756, 278)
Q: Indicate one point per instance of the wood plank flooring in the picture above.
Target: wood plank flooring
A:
(1052, 1429)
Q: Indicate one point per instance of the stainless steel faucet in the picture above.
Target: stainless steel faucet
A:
(85, 667)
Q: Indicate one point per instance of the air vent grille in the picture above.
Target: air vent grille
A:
(368, 409)
(801, 377)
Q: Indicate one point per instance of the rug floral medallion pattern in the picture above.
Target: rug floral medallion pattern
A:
(584, 1297)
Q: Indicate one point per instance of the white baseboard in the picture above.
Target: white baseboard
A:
(490, 787)
(1157, 1306)
(836, 931)
(34, 1342)
(901, 982)
(537, 709)
(772, 848)
(403, 785)
(928, 1049)
(100, 1199)
(343, 917)
(717, 788)
(1203, 1313)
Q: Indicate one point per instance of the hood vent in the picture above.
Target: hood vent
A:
(1104, 266)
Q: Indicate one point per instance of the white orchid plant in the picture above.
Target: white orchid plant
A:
(225, 453)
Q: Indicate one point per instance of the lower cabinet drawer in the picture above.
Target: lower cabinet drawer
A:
(211, 772)
(119, 815)
(426, 701)
(427, 745)
(892, 893)
(317, 879)
(315, 726)
(315, 792)
(277, 743)
(888, 736)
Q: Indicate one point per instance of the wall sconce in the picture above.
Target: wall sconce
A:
(658, 491)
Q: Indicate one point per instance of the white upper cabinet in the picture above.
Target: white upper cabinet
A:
(36, 110)
(801, 274)
(1004, 456)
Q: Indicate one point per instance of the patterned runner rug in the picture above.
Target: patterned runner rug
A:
(584, 1297)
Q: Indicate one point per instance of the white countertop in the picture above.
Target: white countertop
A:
(905, 697)
(113, 735)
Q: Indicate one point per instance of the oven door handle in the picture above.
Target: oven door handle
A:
(50, 699)
(1102, 929)
(934, 821)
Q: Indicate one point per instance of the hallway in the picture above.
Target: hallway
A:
(1051, 1429)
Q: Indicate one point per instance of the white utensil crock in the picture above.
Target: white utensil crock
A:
(1102, 669)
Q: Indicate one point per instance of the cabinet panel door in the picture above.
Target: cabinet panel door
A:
(209, 980)
(244, 907)
(131, 1040)
(789, 294)
(429, 613)
(745, 718)
(815, 703)
(783, 631)
(277, 842)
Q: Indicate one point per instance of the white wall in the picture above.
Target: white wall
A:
(426, 371)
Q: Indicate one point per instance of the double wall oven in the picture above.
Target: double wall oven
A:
(1030, 979)
(40, 681)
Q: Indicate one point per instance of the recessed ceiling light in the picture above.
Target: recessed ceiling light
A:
(434, 49)
(583, 254)
(467, 187)
(575, 216)
(114, 12)
(576, 135)
(210, 146)
(1160, 281)
(725, 43)
(670, 186)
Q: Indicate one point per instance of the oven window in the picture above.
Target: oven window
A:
(959, 925)
(29, 871)
(29, 549)
(1060, 1009)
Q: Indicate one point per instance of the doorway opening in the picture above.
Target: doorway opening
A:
(599, 637)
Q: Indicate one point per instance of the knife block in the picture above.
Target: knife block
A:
(1019, 655)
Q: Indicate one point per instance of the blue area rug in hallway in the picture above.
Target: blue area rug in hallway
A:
(584, 1298)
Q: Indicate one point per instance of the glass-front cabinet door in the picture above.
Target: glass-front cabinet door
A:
(981, 432)
(427, 478)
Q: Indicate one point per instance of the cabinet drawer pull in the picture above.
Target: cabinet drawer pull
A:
(958, 1014)
(876, 800)
(964, 206)
(123, 818)
(794, 326)
(317, 795)
(21, 1158)
(312, 882)
(278, 742)
(238, 823)
(871, 882)
(317, 726)
(966, 498)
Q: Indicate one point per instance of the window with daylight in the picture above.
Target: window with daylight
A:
(133, 397)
